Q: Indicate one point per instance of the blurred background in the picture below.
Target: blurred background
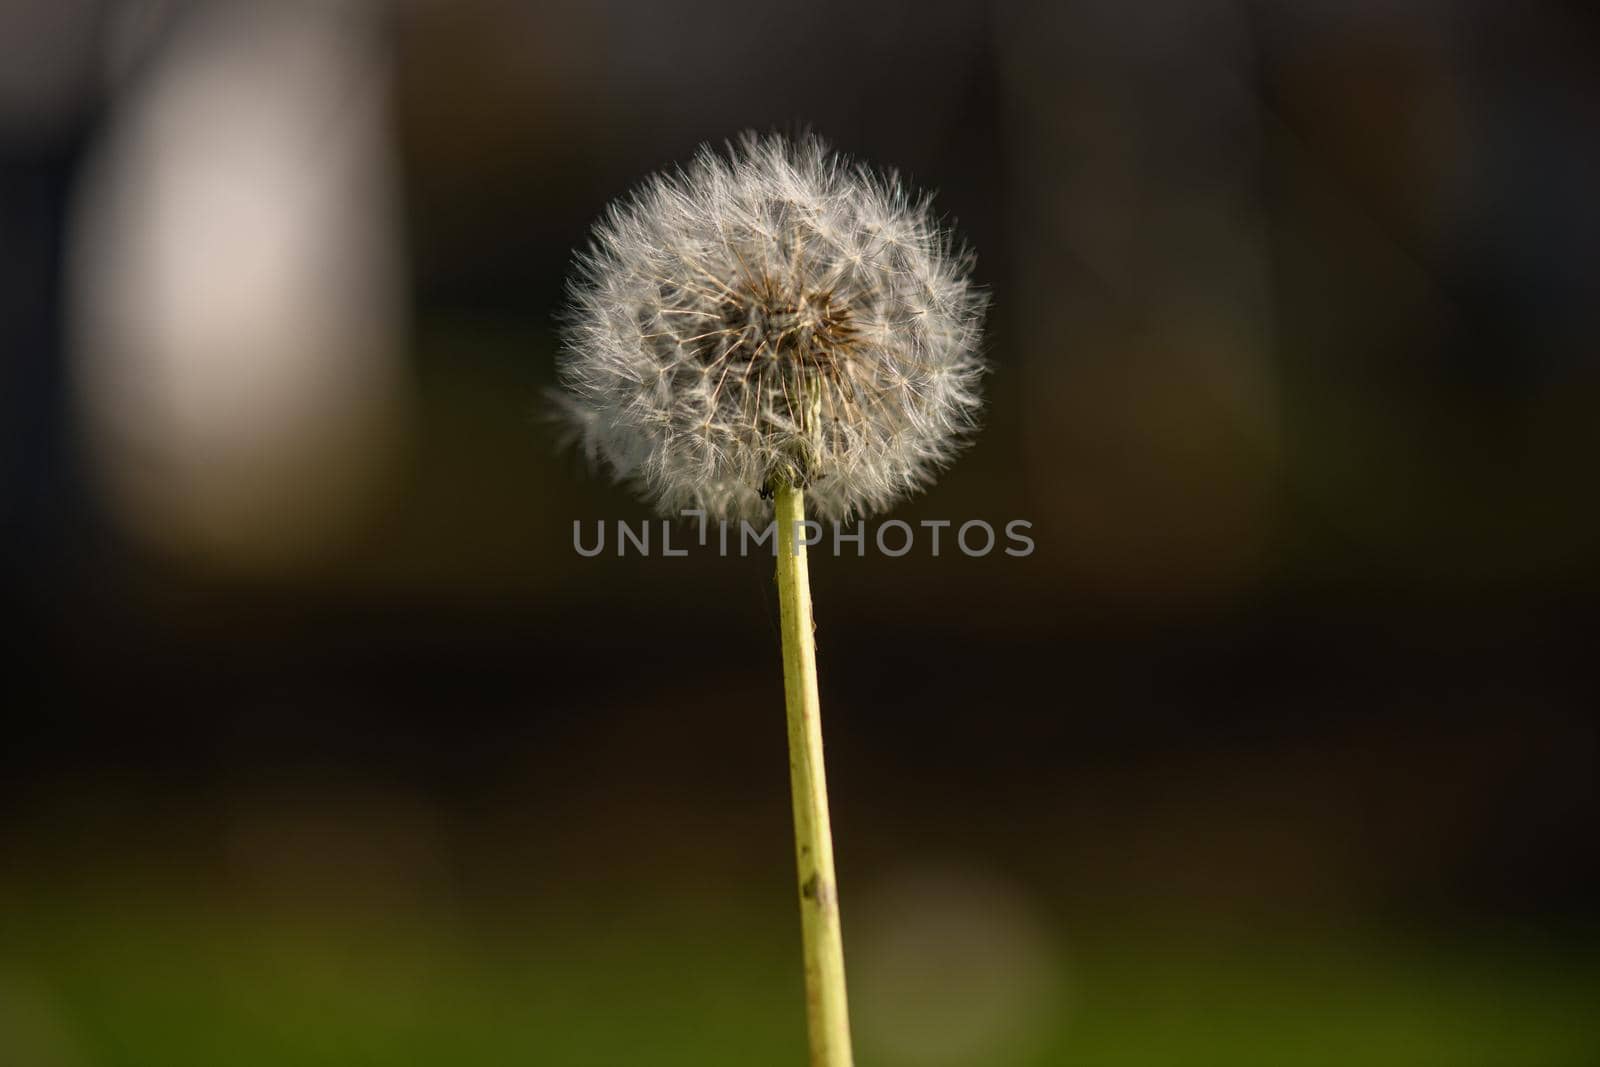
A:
(323, 746)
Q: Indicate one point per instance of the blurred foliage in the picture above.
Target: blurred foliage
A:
(114, 984)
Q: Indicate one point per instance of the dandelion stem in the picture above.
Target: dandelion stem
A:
(827, 1014)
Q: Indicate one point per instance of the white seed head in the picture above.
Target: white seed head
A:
(778, 314)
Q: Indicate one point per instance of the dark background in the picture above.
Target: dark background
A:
(324, 746)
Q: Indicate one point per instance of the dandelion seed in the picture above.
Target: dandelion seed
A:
(777, 314)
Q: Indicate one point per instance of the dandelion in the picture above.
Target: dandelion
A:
(778, 315)
(757, 329)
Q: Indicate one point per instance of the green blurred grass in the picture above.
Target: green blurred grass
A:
(705, 985)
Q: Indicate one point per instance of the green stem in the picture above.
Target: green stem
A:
(827, 1014)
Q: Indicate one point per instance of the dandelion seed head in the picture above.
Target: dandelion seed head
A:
(773, 314)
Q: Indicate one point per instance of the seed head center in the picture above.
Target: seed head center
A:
(771, 326)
